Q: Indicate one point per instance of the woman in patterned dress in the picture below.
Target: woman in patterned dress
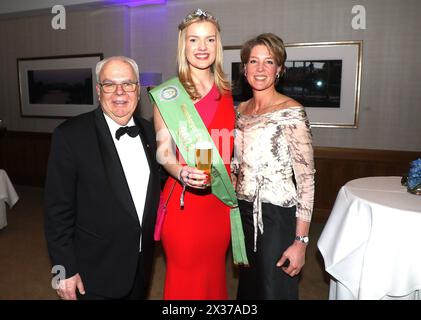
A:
(274, 167)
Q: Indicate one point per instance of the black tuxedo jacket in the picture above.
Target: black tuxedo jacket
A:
(91, 224)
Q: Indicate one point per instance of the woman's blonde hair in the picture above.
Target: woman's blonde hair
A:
(184, 75)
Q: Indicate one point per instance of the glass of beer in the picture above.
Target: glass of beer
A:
(204, 157)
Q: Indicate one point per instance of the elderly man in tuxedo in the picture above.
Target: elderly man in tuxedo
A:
(102, 192)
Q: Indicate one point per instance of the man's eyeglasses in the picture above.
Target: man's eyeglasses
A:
(110, 87)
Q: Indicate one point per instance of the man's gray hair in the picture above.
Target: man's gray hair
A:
(101, 64)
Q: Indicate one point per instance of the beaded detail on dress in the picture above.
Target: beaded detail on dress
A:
(271, 150)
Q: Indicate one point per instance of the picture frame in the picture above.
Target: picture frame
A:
(325, 77)
(58, 86)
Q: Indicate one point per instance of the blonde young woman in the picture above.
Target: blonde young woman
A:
(273, 147)
(196, 236)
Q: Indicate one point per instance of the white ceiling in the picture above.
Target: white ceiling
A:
(9, 8)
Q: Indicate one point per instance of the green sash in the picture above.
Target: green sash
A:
(186, 128)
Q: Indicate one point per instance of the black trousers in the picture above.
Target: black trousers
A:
(263, 280)
(138, 292)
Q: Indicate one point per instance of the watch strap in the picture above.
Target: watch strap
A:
(303, 239)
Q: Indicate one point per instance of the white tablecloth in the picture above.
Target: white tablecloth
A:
(371, 243)
(7, 195)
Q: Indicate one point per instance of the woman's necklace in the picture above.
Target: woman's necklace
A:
(265, 108)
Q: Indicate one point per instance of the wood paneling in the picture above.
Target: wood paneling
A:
(337, 166)
(2, 149)
(24, 156)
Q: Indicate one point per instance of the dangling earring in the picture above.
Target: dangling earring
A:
(277, 76)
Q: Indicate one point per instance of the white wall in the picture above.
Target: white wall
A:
(98, 31)
(390, 111)
(390, 107)
(29, 5)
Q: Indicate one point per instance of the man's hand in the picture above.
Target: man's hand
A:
(67, 287)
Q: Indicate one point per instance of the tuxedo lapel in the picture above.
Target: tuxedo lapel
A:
(145, 142)
(112, 165)
(150, 155)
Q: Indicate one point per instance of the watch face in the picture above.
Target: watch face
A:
(302, 239)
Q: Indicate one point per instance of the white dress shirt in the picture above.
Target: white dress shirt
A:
(135, 166)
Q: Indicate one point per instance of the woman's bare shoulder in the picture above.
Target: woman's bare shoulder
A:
(287, 102)
(292, 103)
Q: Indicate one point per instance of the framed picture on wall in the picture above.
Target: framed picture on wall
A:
(325, 77)
(57, 87)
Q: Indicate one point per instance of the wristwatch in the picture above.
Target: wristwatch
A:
(303, 239)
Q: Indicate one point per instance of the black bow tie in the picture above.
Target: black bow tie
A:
(132, 131)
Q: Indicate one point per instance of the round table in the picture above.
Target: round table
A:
(371, 243)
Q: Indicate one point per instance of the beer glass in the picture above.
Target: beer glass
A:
(204, 157)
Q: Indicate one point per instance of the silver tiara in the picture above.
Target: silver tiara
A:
(199, 13)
